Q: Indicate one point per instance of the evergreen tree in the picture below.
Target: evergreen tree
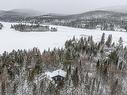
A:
(75, 77)
(103, 39)
(120, 41)
(126, 27)
(109, 41)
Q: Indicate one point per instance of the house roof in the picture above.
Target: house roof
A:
(56, 73)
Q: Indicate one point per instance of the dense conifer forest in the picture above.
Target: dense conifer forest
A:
(93, 68)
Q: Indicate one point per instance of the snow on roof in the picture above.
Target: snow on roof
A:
(56, 73)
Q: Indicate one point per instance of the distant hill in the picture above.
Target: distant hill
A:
(99, 14)
(122, 8)
(18, 14)
(21, 12)
(28, 12)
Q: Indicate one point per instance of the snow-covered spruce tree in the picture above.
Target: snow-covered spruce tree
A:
(126, 27)
(75, 78)
(102, 39)
(1, 25)
(109, 41)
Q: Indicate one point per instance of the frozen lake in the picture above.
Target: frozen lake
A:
(11, 39)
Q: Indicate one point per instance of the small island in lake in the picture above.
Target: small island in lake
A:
(33, 28)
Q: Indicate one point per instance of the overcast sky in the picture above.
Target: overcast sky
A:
(59, 6)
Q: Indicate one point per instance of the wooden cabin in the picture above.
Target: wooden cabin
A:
(57, 76)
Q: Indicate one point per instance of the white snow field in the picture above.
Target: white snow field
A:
(11, 39)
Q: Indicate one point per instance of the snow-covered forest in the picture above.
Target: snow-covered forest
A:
(93, 68)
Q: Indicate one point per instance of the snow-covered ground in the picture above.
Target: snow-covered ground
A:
(11, 39)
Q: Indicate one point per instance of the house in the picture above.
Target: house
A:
(56, 76)
(53, 29)
(99, 27)
(57, 79)
(118, 28)
(83, 25)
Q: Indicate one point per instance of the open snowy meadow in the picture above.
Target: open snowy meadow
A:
(11, 39)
